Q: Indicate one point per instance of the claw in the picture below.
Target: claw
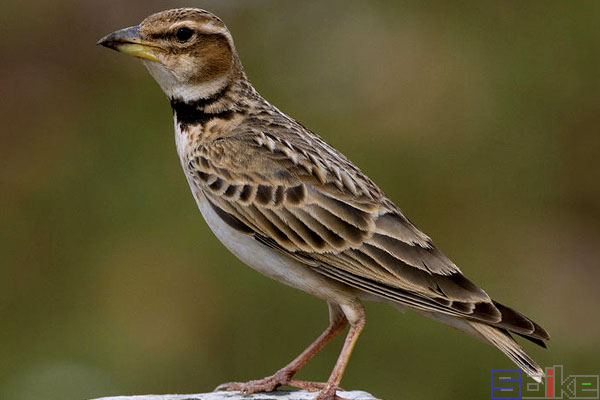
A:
(229, 386)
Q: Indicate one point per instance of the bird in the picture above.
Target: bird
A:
(295, 209)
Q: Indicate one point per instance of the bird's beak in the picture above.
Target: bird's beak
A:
(128, 41)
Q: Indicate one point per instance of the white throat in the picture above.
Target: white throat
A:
(176, 88)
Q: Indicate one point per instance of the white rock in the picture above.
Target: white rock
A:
(277, 395)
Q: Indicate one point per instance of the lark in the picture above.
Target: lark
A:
(297, 210)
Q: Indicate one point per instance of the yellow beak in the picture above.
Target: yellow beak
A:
(128, 41)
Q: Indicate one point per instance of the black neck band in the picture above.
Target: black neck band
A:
(193, 112)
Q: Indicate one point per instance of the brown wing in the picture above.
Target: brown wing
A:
(315, 206)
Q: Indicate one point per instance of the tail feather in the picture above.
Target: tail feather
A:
(506, 344)
(516, 322)
(537, 341)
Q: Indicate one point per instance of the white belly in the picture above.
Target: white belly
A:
(273, 264)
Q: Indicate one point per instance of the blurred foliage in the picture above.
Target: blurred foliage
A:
(479, 118)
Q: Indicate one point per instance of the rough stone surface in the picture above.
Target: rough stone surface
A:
(277, 395)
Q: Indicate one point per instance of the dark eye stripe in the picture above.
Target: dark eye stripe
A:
(171, 34)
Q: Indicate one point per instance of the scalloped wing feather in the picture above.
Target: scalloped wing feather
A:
(331, 214)
(308, 201)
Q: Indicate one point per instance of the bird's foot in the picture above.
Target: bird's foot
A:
(329, 393)
(268, 384)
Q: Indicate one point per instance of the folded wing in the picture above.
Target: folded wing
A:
(326, 213)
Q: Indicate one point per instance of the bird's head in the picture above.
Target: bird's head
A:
(188, 51)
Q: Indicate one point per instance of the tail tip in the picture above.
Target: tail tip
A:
(538, 378)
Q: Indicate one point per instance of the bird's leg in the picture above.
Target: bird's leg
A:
(356, 317)
(337, 323)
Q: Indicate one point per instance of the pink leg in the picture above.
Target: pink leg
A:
(337, 323)
(357, 323)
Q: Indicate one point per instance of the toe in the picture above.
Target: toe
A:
(307, 385)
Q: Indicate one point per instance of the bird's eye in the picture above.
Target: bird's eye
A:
(184, 34)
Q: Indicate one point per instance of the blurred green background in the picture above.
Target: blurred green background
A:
(480, 119)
